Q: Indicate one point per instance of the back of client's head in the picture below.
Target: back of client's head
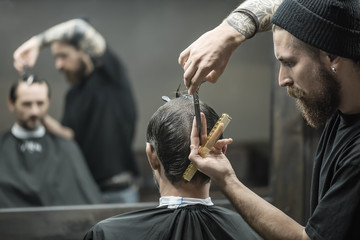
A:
(169, 132)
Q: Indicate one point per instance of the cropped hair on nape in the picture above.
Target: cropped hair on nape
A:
(169, 131)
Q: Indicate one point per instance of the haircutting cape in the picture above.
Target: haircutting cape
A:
(44, 171)
(189, 222)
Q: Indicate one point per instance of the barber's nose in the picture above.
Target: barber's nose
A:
(284, 79)
(59, 64)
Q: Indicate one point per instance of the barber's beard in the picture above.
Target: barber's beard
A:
(320, 106)
(76, 75)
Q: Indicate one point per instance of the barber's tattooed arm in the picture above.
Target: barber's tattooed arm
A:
(76, 31)
(244, 23)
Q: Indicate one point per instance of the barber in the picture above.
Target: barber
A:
(318, 46)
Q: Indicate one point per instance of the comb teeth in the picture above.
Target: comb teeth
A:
(225, 119)
(211, 139)
(189, 172)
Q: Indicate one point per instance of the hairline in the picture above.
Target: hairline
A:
(13, 95)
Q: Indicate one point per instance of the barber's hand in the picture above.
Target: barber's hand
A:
(27, 54)
(207, 57)
(55, 127)
(215, 165)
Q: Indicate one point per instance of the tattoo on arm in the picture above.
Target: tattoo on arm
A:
(263, 10)
(242, 23)
(76, 31)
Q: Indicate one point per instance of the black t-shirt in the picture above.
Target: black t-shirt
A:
(45, 171)
(101, 111)
(335, 194)
(189, 222)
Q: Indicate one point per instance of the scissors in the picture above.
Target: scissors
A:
(27, 76)
(197, 112)
(196, 106)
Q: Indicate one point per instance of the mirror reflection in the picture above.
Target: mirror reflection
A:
(108, 64)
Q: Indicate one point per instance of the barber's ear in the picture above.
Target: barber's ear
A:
(333, 58)
(152, 157)
(11, 106)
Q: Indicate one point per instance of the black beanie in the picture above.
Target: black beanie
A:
(330, 25)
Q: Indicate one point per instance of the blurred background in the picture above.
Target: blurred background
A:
(148, 36)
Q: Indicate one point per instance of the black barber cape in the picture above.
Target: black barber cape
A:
(43, 171)
(184, 223)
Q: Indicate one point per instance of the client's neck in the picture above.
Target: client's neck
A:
(184, 189)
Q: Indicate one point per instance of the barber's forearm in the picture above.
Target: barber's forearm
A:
(262, 9)
(90, 40)
(264, 218)
(53, 126)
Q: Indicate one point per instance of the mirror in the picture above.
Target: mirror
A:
(148, 36)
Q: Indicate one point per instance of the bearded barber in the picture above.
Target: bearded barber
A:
(318, 46)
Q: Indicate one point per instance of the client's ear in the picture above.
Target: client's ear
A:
(152, 157)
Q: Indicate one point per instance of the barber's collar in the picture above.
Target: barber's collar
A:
(175, 202)
(23, 133)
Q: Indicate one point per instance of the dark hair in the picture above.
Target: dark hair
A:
(15, 85)
(74, 42)
(169, 132)
(76, 39)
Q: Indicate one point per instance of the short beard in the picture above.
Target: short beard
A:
(25, 124)
(318, 108)
(74, 77)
